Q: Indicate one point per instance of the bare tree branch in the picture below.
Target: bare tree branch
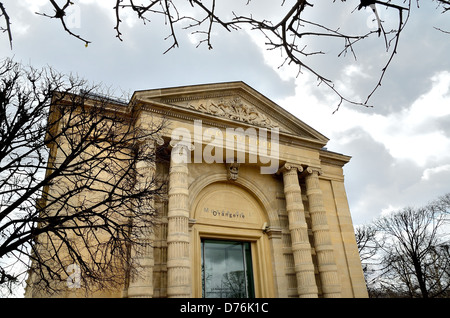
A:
(60, 13)
(290, 32)
(70, 189)
(401, 25)
(7, 27)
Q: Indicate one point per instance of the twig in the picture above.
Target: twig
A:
(401, 25)
(8, 23)
(60, 13)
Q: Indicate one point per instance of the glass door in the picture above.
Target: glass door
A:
(227, 269)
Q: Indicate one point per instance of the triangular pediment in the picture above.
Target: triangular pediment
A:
(233, 101)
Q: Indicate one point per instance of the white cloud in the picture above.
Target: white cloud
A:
(411, 133)
(390, 209)
(398, 159)
(33, 5)
(430, 172)
(273, 58)
(407, 134)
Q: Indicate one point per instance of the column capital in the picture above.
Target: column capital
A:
(290, 167)
(273, 232)
(181, 151)
(147, 136)
(158, 139)
(147, 146)
(312, 171)
(181, 144)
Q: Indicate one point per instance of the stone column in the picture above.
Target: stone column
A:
(141, 280)
(322, 239)
(178, 263)
(301, 248)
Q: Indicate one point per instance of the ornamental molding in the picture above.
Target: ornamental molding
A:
(233, 101)
(234, 108)
(290, 166)
(232, 170)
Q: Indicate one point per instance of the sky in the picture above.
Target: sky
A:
(400, 147)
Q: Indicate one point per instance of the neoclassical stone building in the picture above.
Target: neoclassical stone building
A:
(256, 205)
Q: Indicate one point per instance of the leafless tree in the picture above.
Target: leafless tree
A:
(70, 189)
(442, 204)
(289, 29)
(415, 260)
(366, 241)
(369, 246)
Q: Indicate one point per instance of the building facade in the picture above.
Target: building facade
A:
(255, 207)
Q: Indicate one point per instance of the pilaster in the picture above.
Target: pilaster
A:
(141, 280)
(275, 240)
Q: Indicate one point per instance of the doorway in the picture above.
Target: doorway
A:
(227, 270)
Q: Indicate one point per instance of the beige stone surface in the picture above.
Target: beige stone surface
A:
(300, 229)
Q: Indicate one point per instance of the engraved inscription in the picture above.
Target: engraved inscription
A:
(234, 215)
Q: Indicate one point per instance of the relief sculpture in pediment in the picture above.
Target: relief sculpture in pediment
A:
(235, 109)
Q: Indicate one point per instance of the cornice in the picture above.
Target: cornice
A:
(175, 96)
(189, 115)
(333, 158)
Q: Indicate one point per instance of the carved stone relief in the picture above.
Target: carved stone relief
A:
(232, 170)
(235, 109)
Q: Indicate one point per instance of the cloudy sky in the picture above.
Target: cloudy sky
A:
(400, 147)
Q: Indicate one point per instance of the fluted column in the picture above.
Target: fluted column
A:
(141, 280)
(301, 248)
(178, 264)
(322, 239)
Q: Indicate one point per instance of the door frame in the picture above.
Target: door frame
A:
(260, 251)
